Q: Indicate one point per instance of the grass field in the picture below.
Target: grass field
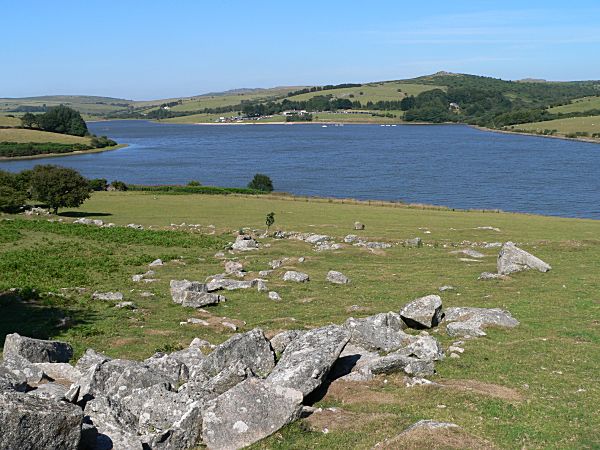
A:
(83, 103)
(23, 135)
(590, 125)
(535, 386)
(374, 92)
(9, 121)
(578, 105)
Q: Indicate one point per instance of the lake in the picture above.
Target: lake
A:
(452, 165)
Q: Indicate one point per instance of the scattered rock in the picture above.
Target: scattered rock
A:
(415, 242)
(491, 276)
(228, 284)
(196, 321)
(125, 305)
(469, 252)
(359, 226)
(277, 263)
(265, 273)
(156, 263)
(244, 243)
(351, 238)
(424, 312)
(337, 277)
(233, 267)
(274, 296)
(512, 259)
(430, 425)
(446, 288)
(193, 294)
(292, 275)
(135, 226)
(468, 321)
(316, 238)
(107, 296)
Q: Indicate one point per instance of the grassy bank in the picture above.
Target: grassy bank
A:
(534, 386)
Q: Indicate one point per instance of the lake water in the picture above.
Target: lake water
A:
(450, 165)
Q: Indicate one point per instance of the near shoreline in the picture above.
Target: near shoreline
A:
(57, 155)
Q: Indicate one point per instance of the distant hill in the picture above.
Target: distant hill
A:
(438, 97)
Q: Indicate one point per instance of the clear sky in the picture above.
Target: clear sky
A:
(146, 49)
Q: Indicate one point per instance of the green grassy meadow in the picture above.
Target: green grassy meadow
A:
(578, 105)
(589, 124)
(535, 386)
(38, 136)
(374, 92)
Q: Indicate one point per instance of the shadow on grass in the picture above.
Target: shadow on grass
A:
(83, 214)
(36, 318)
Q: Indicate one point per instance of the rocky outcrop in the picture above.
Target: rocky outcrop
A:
(252, 410)
(424, 312)
(512, 259)
(30, 422)
(36, 350)
(382, 332)
(307, 360)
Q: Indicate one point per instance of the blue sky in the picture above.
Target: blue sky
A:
(147, 49)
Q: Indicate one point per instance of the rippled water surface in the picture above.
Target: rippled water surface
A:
(457, 166)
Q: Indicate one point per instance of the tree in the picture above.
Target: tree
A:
(28, 120)
(59, 187)
(118, 186)
(261, 182)
(270, 220)
(62, 119)
(12, 195)
(98, 184)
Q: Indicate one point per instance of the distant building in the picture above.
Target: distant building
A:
(454, 106)
(295, 113)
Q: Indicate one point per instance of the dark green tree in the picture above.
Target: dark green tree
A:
(98, 184)
(62, 119)
(28, 120)
(261, 182)
(269, 220)
(118, 185)
(12, 194)
(59, 187)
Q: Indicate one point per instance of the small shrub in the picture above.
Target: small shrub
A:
(118, 185)
(261, 182)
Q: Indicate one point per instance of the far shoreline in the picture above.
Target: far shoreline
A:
(342, 123)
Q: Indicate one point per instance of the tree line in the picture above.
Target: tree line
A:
(58, 119)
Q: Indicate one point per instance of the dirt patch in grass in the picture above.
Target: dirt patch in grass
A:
(153, 332)
(337, 419)
(486, 389)
(438, 439)
(120, 342)
(347, 392)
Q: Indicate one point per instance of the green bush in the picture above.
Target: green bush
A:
(119, 185)
(98, 184)
(59, 186)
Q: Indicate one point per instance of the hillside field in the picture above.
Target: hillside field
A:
(24, 135)
(589, 124)
(578, 105)
(534, 386)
